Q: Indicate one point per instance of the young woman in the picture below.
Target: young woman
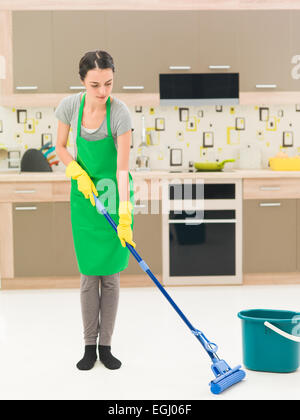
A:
(101, 126)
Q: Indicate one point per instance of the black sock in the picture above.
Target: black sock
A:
(89, 358)
(107, 358)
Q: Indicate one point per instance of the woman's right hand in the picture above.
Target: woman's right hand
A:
(84, 183)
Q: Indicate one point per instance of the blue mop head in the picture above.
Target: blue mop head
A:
(225, 376)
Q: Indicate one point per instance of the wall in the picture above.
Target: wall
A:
(203, 133)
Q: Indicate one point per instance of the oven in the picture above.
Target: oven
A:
(202, 237)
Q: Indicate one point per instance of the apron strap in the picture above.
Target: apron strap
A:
(108, 117)
(80, 114)
(81, 111)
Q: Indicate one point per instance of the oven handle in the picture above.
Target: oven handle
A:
(199, 221)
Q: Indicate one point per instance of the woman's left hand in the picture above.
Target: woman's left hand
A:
(124, 227)
(125, 234)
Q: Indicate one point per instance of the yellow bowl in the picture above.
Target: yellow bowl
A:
(285, 164)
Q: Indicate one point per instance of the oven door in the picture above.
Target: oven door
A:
(202, 251)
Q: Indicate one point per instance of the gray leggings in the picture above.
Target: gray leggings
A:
(94, 304)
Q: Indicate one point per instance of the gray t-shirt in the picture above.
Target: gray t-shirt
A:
(120, 119)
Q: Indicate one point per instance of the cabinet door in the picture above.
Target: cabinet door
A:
(147, 234)
(176, 42)
(64, 258)
(269, 236)
(298, 235)
(217, 41)
(264, 53)
(294, 79)
(32, 235)
(146, 43)
(32, 51)
(133, 42)
(74, 34)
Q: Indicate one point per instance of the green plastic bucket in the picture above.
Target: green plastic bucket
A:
(271, 340)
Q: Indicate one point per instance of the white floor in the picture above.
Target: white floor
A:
(41, 342)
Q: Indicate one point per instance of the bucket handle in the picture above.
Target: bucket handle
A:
(283, 333)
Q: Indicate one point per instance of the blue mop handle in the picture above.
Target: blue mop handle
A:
(208, 346)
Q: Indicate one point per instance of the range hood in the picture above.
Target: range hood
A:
(199, 89)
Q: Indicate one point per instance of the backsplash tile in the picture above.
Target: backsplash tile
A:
(200, 133)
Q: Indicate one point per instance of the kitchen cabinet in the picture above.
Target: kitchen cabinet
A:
(32, 238)
(32, 52)
(43, 242)
(276, 188)
(217, 42)
(36, 242)
(75, 33)
(264, 49)
(150, 44)
(133, 42)
(64, 257)
(294, 52)
(147, 234)
(202, 38)
(259, 44)
(26, 191)
(270, 236)
(177, 42)
(298, 234)
(36, 245)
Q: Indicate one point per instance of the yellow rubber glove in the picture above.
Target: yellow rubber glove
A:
(124, 227)
(84, 182)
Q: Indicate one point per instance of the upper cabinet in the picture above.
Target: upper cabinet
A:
(294, 57)
(259, 44)
(32, 52)
(217, 42)
(145, 44)
(74, 33)
(264, 50)
(133, 44)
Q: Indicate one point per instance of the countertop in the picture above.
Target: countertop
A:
(12, 176)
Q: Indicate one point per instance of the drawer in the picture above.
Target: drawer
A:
(61, 191)
(147, 189)
(144, 190)
(271, 188)
(25, 191)
(147, 207)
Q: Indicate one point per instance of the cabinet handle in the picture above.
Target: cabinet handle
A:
(26, 87)
(180, 67)
(265, 86)
(269, 188)
(133, 87)
(24, 191)
(139, 206)
(26, 208)
(76, 87)
(270, 204)
(219, 67)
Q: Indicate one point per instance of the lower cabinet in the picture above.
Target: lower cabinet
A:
(65, 263)
(298, 234)
(43, 242)
(147, 234)
(32, 238)
(271, 235)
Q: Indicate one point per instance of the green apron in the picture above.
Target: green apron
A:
(97, 246)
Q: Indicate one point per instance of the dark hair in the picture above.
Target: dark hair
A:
(93, 60)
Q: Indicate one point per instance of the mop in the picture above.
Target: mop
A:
(225, 376)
